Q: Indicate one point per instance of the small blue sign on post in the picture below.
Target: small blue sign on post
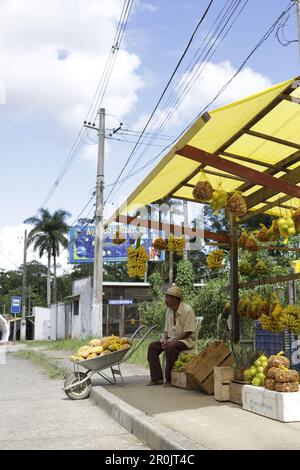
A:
(15, 305)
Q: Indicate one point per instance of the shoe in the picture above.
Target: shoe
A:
(155, 382)
(167, 384)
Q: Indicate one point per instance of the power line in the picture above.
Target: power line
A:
(163, 93)
(97, 99)
(178, 97)
(221, 90)
(214, 38)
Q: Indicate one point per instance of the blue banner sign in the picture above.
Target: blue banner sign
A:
(82, 239)
(15, 305)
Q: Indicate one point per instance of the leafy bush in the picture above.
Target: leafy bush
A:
(156, 284)
(154, 313)
(209, 303)
(185, 279)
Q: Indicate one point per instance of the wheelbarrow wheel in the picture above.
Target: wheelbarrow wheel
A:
(78, 392)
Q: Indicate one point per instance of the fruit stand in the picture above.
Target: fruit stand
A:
(244, 157)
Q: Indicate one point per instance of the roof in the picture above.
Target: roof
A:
(257, 133)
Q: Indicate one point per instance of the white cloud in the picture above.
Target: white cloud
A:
(211, 80)
(146, 6)
(12, 249)
(52, 54)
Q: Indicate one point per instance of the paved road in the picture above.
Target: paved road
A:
(36, 414)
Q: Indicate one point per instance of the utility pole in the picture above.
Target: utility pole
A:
(23, 319)
(97, 303)
(185, 224)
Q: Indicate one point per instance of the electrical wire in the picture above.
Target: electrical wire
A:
(97, 99)
(164, 91)
(177, 100)
(230, 11)
(221, 90)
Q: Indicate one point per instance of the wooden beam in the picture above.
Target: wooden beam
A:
(173, 228)
(279, 248)
(254, 161)
(266, 192)
(272, 138)
(261, 210)
(258, 116)
(293, 99)
(269, 280)
(222, 175)
(281, 166)
(248, 174)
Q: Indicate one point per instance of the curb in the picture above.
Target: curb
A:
(146, 428)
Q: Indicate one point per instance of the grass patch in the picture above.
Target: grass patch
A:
(59, 345)
(48, 366)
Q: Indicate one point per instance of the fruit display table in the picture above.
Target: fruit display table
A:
(280, 406)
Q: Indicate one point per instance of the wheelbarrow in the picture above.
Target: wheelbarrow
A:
(78, 385)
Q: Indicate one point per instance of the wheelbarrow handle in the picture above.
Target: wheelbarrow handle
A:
(134, 348)
(136, 332)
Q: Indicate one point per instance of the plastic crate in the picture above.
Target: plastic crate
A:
(272, 343)
(269, 343)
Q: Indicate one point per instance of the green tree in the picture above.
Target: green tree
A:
(48, 236)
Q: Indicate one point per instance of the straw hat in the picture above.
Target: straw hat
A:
(174, 291)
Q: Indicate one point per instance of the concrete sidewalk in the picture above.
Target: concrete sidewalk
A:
(36, 415)
(171, 418)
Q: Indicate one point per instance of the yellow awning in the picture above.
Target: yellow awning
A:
(259, 132)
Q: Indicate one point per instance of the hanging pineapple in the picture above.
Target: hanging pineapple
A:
(273, 232)
(251, 244)
(245, 268)
(296, 219)
(203, 190)
(237, 205)
(262, 234)
(260, 269)
(243, 239)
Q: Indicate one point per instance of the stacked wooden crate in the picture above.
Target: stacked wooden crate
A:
(200, 369)
(222, 378)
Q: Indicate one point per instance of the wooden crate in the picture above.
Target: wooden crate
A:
(235, 392)
(222, 378)
(180, 380)
(200, 369)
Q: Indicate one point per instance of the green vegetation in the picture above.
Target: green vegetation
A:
(48, 236)
(185, 279)
(61, 344)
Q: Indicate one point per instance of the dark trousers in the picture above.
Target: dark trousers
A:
(172, 351)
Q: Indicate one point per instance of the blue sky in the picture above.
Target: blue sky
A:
(51, 61)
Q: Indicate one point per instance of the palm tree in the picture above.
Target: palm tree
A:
(48, 236)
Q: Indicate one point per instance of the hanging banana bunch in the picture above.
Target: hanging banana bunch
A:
(137, 261)
(214, 259)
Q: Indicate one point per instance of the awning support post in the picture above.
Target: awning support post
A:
(234, 289)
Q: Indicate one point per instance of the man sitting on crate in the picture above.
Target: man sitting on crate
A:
(179, 335)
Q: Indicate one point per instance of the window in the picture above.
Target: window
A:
(75, 307)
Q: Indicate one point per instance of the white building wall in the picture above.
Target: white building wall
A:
(58, 325)
(81, 324)
(41, 323)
